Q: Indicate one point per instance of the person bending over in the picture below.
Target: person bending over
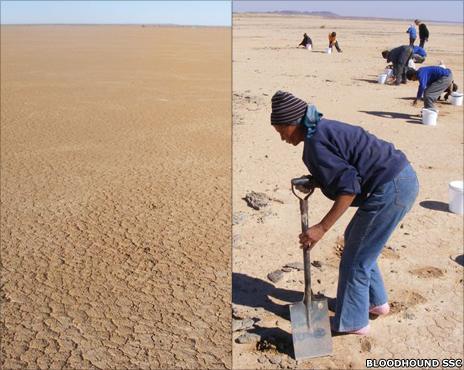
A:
(306, 41)
(353, 168)
(333, 41)
(399, 57)
(433, 81)
(418, 54)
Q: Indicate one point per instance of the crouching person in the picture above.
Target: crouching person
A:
(418, 54)
(399, 57)
(451, 89)
(433, 81)
(306, 42)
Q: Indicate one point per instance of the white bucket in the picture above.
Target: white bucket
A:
(328, 51)
(309, 47)
(382, 78)
(429, 117)
(456, 198)
(456, 98)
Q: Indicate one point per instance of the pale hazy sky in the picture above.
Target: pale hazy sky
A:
(174, 12)
(451, 11)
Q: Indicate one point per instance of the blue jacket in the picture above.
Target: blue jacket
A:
(428, 75)
(419, 51)
(412, 32)
(346, 159)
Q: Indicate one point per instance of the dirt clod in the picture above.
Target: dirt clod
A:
(275, 276)
(257, 200)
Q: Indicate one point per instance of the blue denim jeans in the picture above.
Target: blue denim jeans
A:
(360, 284)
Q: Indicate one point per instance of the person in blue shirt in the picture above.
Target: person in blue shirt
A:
(353, 168)
(418, 54)
(433, 81)
(412, 34)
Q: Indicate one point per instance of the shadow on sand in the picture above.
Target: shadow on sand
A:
(254, 292)
(409, 117)
(366, 80)
(435, 205)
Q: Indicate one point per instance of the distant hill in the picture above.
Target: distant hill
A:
(294, 12)
(326, 14)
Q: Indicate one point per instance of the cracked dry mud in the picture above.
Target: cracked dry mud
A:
(115, 194)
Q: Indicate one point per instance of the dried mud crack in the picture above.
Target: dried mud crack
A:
(115, 199)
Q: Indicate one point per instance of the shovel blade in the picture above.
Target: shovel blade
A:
(314, 340)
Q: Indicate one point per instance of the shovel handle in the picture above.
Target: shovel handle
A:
(306, 254)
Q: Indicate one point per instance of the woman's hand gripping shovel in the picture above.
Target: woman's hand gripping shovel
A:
(310, 318)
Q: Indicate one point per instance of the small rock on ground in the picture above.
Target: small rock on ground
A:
(295, 265)
(275, 276)
(244, 324)
(316, 264)
(257, 200)
(275, 359)
(248, 338)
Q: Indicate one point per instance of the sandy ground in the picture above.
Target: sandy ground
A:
(115, 160)
(422, 263)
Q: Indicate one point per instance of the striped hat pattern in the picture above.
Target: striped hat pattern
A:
(287, 109)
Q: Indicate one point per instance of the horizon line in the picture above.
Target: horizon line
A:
(335, 15)
(116, 24)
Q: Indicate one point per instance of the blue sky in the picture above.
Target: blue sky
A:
(451, 11)
(209, 13)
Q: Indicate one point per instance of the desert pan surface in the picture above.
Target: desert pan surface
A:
(422, 262)
(115, 197)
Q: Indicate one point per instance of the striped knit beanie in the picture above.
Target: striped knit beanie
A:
(287, 109)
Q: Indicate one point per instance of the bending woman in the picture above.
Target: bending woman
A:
(353, 168)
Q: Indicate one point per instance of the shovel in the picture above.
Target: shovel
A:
(310, 318)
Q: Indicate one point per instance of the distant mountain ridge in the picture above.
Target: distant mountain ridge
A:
(327, 14)
(295, 12)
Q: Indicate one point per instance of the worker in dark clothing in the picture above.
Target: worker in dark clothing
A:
(399, 57)
(423, 33)
(306, 41)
